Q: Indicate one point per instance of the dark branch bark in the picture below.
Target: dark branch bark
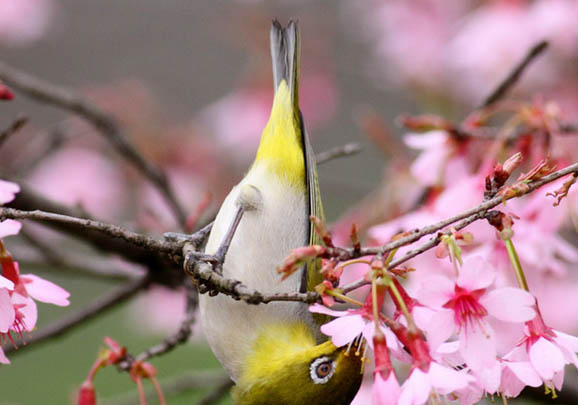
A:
(512, 78)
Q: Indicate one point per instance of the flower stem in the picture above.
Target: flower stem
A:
(374, 302)
(345, 298)
(516, 264)
(402, 305)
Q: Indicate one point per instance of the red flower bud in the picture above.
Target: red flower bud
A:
(86, 395)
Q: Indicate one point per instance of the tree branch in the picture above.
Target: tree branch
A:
(45, 92)
(181, 336)
(12, 129)
(512, 78)
(67, 324)
(112, 231)
(339, 151)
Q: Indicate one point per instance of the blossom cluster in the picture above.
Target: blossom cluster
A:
(19, 292)
(489, 311)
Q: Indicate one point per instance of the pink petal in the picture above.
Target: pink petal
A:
(7, 191)
(6, 311)
(438, 328)
(476, 273)
(385, 392)
(435, 291)
(3, 358)
(546, 358)
(509, 304)
(569, 346)
(446, 380)
(416, 389)
(343, 330)
(45, 291)
(5, 283)
(9, 227)
(28, 310)
(478, 346)
(322, 309)
(524, 371)
(489, 377)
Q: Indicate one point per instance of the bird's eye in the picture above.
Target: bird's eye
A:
(321, 369)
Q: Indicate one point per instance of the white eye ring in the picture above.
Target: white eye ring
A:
(313, 370)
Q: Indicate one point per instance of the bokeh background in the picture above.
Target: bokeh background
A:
(191, 83)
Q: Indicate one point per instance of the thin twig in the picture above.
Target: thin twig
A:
(181, 336)
(216, 394)
(174, 386)
(337, 152)
(209, 280)
(514, 75)
(113, 231)
(65, 99)
(68, 323)
(12, 129)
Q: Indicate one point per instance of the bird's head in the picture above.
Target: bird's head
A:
(287, 367)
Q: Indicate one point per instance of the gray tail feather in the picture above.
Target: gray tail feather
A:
(285, 54)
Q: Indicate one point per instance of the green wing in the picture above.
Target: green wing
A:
(286, 55)
(312, 276)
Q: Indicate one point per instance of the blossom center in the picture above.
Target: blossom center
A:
(466, 306)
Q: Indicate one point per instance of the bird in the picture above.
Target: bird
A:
(275, 353)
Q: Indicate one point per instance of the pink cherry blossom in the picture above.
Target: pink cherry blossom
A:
(465, 306)
(427, 376)
(547, 350)
(386, 389)
(23, 21)
(7, 191)
(76, 175)
(440, 161)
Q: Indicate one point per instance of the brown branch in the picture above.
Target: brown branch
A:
(45, 92)
(112, 231)
(465, 218)
(12, 129)
(216, 394)
(337, 152)
(512, 78)
(70, 322)
(181, 336)
(201, 267)
(173, 387)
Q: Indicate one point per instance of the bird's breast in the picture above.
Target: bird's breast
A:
(264, 238)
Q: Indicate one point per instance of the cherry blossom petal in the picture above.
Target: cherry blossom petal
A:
(5, 283)
(385, 392)
(3, 358)
(7, 191)
(9, 227)
(45, 291)
(416, 389)
(446, 380)
(435, 291)
(28, 309)
(322, 309)
(439, 326)
(524, 371)
(343, 330)
(478, 346)
(476, 274)
(569, 346)
(7, 313)
(509, 304)
(546, 358)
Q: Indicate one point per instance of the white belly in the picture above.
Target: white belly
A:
(262, 241)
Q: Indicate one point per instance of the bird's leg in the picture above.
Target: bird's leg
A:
(249, 199)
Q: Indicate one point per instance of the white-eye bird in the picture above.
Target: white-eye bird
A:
(275, 353)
